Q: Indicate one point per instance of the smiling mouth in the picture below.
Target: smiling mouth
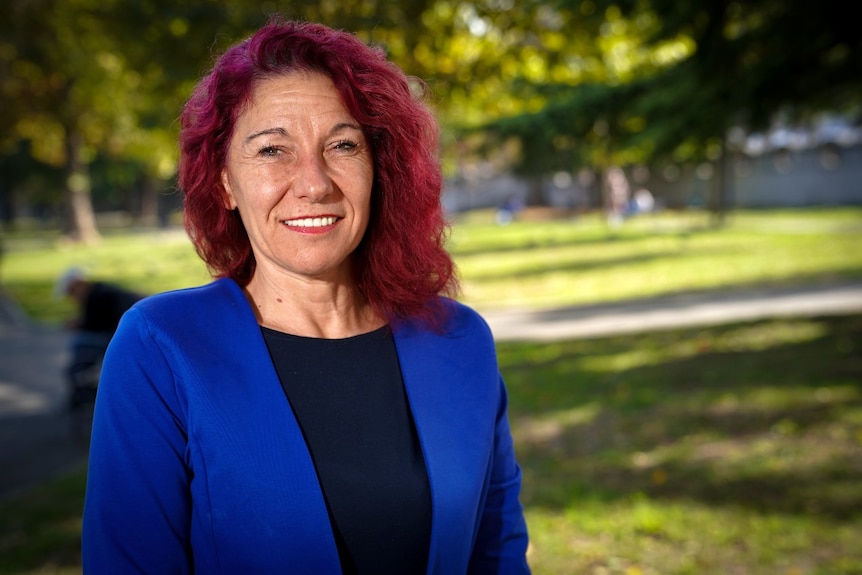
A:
(311, 222)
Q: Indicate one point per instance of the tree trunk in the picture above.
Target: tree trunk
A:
(7, 206)
(149, 202)
(720, 187)
(81, 218)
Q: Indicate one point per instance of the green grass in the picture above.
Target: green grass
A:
(40, 531)
(578, 261)
(149, 261)
(735, 449)
(528, 263)
(731, 449)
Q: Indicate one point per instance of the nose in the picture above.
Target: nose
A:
(312, 180)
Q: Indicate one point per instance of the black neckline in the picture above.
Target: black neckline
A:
(383, 330)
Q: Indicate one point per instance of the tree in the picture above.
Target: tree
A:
(89, 79)
(752, 61)
(590, 75)
(575, 82)
(86, 78)
(683, 73)
(57, 62)
(105, 78)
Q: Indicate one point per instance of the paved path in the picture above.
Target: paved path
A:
(35, 438)
(706, 308)
(36, 443)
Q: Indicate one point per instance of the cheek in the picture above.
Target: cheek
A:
(365, 204)
(368, 200)
(254, 189)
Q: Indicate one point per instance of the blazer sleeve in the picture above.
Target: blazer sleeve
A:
(501, 543)
(137, 509)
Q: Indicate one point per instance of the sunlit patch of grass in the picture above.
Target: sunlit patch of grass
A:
(747, 338)
(576, 261)
(548, 426)
(642, 535)
(148, 262)
(768, 398)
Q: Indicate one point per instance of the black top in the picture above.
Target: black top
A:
(349, 399)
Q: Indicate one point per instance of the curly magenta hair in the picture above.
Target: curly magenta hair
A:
(401, 264)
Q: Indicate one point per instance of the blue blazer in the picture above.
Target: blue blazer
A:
(197, 463)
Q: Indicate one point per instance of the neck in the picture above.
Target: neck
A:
(311, 308)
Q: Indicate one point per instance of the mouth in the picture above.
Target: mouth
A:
(317, 222)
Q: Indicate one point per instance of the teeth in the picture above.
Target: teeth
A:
(311, 222)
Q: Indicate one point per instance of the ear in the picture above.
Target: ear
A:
(228, 200)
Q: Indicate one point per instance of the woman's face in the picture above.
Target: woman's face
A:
(300, 172)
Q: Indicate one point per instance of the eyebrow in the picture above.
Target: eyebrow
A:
(343, 125)
(267, 132)
(282, 132)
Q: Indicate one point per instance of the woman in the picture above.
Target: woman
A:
(320, 407)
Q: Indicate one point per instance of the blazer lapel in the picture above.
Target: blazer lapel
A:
(271, 444)
(454, 420)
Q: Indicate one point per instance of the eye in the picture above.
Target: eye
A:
(268, 151)
(345, 145)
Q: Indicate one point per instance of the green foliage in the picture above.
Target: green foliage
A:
(576, 82)
(680, 74)
(554, 138)
(770, 54)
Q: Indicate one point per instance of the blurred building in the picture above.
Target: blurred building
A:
(788, 167)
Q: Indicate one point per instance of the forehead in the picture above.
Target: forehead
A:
(294, 93)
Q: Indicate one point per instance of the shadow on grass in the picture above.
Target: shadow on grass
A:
(539, 268)
(764, 415)
(41, 530)
(536, 241)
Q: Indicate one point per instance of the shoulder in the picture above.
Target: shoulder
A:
(198, 324)
(456, 323)
(220, 301)
(459, 318)
(218, 292)
(456, 359)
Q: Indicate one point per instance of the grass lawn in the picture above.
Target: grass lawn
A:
(733, 449)
(40, 531)
(528, 263)
(577, 261)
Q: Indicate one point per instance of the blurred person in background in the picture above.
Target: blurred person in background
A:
(100, 305)
(322, 406)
